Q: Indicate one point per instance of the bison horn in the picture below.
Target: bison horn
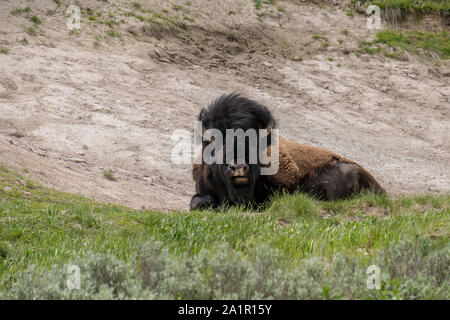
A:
(200, 118)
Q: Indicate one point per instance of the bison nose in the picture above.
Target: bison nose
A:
(239, 169)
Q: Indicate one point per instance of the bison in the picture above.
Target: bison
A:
(301, 168)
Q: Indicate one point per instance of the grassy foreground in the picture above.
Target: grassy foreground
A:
(296, 248)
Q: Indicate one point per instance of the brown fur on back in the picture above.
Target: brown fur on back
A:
(297, 161)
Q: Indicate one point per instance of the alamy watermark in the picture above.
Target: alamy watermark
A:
(373, 277)
(251, 146)
(374, 19)
(73, 277)
(74, 19)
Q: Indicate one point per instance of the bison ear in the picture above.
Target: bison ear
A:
(200, 115)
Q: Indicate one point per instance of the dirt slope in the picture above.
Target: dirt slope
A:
(74, 104)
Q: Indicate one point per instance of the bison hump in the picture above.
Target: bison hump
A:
(297, 161)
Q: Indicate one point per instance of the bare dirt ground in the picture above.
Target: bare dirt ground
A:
(73, 104)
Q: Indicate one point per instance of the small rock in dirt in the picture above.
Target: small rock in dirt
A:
(17, 134)
(77, 160)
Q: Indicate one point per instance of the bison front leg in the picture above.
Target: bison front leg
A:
(203, 201)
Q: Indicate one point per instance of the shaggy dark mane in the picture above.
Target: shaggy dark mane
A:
(234, 111)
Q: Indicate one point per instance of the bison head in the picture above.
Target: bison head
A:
(236, 180)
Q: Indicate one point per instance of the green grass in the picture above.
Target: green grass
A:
(414, 41)
(324, 41)
(97, 41)
(136, 5)
(112, 34)
(423, 6)
(20, 11)
(259, 3)
(159, 18)
(394, 43)
(139, 17)
(31, 31)
(110, 23)
(35, 20)
(109, 173)
(74, 32)
(177, 7)
(185, 17)
(4, 50)
(369, 47)
(296, 247)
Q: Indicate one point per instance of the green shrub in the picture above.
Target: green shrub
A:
(109, 173)
(20, 11)
(136, 5)
(31, 31)
(35, 20)
(322, 39)
(410, 269)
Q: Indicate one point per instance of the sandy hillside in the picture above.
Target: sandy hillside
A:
(109, 96)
